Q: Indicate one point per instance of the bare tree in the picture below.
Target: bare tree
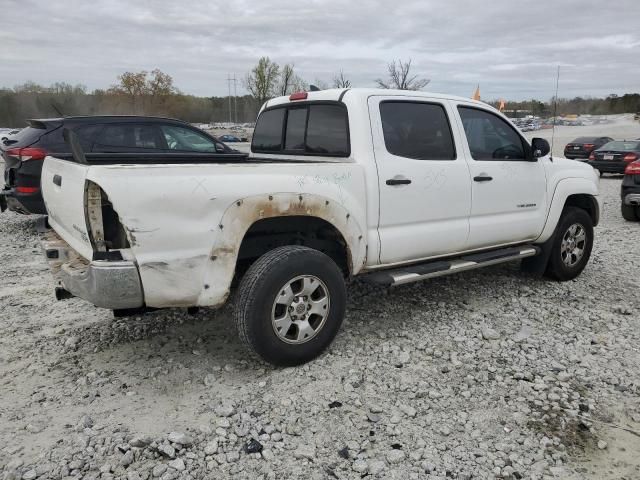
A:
(289, 81)
(340, 81)
(400, 77)
(262, 80)
(286, 78)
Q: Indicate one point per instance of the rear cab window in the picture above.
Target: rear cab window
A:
(317, 128)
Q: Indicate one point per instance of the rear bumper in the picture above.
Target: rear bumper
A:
(632, 199)
(27, 204)
(574, 155)
(104, 283)
(608, 166)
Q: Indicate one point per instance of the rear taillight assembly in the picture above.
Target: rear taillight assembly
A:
(27, 189)
(630, 157)
(27, 153)
(592, 156)
(633, 168)
(588, 146)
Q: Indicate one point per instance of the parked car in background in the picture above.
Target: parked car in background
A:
(613, 157)
(231, 139)
(582, 147)
(171, 141)
(630, 192)
(7, 133)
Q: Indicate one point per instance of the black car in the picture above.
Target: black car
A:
(24, 152)
(581, 147)
(630, 192)
(614, 157)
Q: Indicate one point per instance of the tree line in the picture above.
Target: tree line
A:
(154, 93)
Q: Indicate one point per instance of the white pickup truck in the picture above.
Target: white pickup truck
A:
(390, 186)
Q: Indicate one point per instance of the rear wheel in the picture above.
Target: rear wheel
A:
(290, 305)
(572, 245)
(631, 213)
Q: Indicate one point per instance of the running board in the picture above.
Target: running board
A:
(439, 268)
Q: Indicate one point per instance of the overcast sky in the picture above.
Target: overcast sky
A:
(509, 47)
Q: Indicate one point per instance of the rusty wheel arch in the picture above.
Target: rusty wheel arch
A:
(243, 214)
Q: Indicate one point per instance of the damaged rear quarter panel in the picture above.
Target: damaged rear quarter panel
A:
(185, 223)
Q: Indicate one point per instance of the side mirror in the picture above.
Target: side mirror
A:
(219, 148)
(540, 147)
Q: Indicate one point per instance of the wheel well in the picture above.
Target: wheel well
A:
(269, 233)
(587, 203)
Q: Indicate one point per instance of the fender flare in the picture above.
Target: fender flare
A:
(563, 190)
(244, 212)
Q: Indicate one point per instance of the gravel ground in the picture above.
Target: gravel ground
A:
(490, 374)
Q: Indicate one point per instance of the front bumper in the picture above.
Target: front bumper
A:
(104, 283)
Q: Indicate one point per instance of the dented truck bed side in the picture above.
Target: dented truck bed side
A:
(185, 223)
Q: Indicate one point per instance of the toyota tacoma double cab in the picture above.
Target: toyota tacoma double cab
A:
(389, 186)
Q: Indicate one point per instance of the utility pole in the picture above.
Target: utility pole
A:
(229, 86)
(235, 98)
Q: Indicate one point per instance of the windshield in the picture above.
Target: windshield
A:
(621, 146)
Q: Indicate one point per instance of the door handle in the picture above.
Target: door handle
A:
(398, 181)
(482, 178)
(57, 179)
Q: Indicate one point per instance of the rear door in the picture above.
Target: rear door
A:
(63, 190)
(509, 192)
(425, 191)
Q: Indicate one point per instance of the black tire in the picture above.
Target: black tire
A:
(630, 213)
(263, 283)
(557, 268)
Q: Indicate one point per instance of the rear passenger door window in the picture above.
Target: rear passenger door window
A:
(416, 130)
(490, 137)
(129, 138)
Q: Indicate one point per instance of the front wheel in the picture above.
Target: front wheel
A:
(290, 305)
(630, 213)
(572, 245)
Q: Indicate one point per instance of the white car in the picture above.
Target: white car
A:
(390, 186)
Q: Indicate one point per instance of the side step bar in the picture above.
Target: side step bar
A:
(439, 268)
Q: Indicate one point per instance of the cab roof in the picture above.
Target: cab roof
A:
(337, 94)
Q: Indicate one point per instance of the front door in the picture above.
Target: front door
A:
(425, 189)
(509, 200)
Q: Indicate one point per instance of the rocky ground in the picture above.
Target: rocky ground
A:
(489, 374)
